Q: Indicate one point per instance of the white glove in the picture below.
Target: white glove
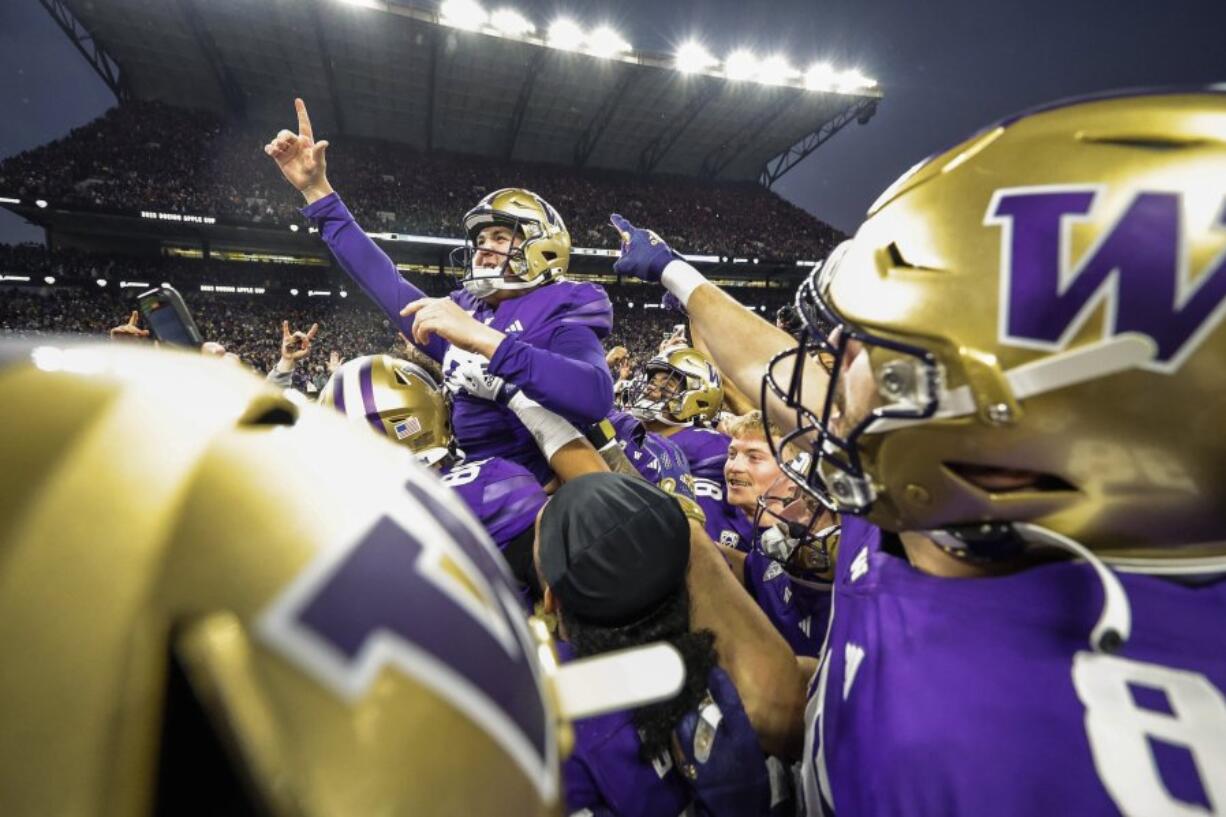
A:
(471, 377)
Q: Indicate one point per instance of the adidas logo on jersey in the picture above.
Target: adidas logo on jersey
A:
(853, 655)
(515, 326)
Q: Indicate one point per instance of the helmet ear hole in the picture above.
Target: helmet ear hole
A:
(549, 256)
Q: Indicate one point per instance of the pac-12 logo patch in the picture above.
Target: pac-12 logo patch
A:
(421, 592)
(1138, 266)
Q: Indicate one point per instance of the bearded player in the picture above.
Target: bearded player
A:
(516, 315)
(1026, 366)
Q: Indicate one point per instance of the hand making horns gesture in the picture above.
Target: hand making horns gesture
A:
(301, 158)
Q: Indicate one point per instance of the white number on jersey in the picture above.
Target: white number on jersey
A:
(708, 489)
(1120, 732)
(463, 473)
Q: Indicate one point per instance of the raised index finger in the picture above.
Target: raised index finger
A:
(304, 119)
(310, 335)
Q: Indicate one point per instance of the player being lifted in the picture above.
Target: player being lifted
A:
(516, 317)
(1025, 364)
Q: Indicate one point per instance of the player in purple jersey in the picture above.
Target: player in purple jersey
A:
(1023, 349)
(516, 315)
(677, 396)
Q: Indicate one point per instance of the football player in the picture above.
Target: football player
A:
(516, 315)
(1025, 365)
(786, 564)
(401, 401)
(678, 395)
(218, 599)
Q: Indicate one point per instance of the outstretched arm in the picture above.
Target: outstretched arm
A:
(303, 162)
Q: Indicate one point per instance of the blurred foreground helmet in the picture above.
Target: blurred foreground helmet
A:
(398, 399)
(542, 256)
(677, 388)
(1043, 301)
(216, 600)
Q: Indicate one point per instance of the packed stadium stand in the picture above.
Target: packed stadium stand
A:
(154, 156)
(172, 185)
(248, 322)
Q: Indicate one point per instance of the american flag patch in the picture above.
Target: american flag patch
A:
(407, 427)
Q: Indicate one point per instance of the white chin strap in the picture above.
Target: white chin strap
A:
(1114, 625)
(1107, 357)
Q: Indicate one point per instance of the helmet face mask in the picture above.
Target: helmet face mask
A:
(905, 387)
(539, 250)
(796, 530)
(677, 388)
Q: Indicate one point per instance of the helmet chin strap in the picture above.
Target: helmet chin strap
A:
(1114, 625)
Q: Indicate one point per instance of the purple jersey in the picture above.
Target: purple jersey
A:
(653, 455)
(605, 774)
(706, 449)
(799, 609)
(502, 494)
(946, 696)
(552, 351)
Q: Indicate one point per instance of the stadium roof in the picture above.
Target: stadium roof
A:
(381, 69)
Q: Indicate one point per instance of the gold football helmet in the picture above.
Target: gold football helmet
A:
(398, 399)
(677, 388)
(541, 257)
(1043, 304)
(215, 599)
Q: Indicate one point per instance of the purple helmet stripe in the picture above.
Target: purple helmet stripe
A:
(367, 384)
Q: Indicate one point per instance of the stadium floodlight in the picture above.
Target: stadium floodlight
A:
(293, 228)
(7, 200)
(464, 14)
(741, 65)
(854, 81)
(344, 294)
(511, 22)
(101, 282)
(565, 33)
(50, 279)
(630, 304)
(775, 70)
(692, 57)
(293, 292)
(605, 42)
(41, 203)
(821, 77)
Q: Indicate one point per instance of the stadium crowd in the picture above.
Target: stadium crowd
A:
(148, 155)
(247, 324)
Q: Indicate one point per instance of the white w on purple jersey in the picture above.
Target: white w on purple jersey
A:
(502, 494)
(946, 696)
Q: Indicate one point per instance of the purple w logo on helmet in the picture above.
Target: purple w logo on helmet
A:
(1138, 267)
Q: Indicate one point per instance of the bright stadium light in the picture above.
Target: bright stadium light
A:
(293, 292)
(344, 294)
(775, 70)
(741, 64)
(565, 33)
(605, 42)
(462, 14)
(41, 203)
(692, 57)
(293, 228)
(101, 282)
(511, 22)
(820, 77)
(854, 81)
(50, 279)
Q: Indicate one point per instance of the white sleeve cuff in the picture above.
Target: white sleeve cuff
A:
(550, 431)
(681, 279)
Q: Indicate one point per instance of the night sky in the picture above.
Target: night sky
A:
(946, 68)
